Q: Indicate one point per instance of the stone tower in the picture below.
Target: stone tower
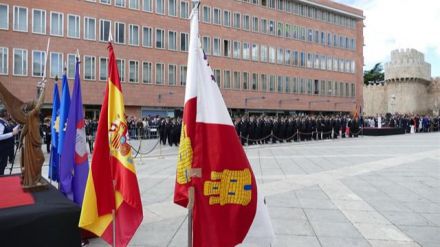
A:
(407, 80)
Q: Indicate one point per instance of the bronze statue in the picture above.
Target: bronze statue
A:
(27, 114)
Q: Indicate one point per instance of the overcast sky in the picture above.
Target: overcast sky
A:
(393, 24)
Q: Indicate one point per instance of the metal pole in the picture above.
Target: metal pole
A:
(114, 217)
(190, 215)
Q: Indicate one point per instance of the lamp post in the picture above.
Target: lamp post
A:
(159, 96)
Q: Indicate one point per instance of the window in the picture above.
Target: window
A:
(73, 24)
(287, 88)
(227, 79)
(103, 67)
(347, 91)
(237, 80)
(56, 64)
(280, 29)
(263, 25)
(56, 24)
(38, 59)
(226, 48)
(329, 88)
(184, 12)
(120, 3)
(295, 85)
(255, 24)
(104, 30)
(264, 83)
(3, 60)
(280, 56)
(147, 5)
(316, 87)
(341, 89)
(237, 20)
(89, 68)
(246, 22)
(316, 63)
(246, 51)
(226, 18)
(20, 62)
(160, 8)
(272, 27)
(322, 90)
(236, 51)
(216, 50)
(119, 32)
(254, 83)
(272, 55)
(20, 19)
(272, 83)
(146, 72)
(295, 58)
(353, 91)
(280, 84)
(310, 35)
(38, 21)
(302, 86)
(255, 52)
(184, 41)
(71, 65)
(336, 89)
(89, 28)
(302, 61)
(206, 45)
(160, 73)
(133, 71)
(133, 34)
(172, 40)
(217, 73)
(4, 16)
(121, 68)
(160, 38)
(105, 1)
(217, 17)
(172, 8)
(172, 74)
(133, 4)
(287, 60)
(206, 14)
(245, 81)
(263, 55)
(183, 71)
(147, 37)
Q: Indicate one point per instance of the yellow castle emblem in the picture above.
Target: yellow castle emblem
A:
(229, 187)
(185, 157)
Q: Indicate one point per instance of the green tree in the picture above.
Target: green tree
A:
(375, 74)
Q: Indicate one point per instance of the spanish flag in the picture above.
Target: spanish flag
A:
(112, 184)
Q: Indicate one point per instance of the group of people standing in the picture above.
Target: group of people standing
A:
(265, 129)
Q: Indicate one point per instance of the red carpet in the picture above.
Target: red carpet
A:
(12, 195)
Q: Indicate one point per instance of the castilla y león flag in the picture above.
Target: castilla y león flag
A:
(228, 210)
(112, 183)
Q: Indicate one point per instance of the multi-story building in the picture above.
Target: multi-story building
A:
(267, 55)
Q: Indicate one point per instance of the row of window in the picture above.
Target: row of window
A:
(270, 27)
(130, 33)
(289, 6)
(143, 72)
(301, 9)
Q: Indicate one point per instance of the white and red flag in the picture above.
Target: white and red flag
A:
(228, 210)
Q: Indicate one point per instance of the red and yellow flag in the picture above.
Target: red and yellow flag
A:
(112, 183)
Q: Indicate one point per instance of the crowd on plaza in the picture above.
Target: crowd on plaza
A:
(277, 129)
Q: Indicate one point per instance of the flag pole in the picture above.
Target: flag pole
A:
(190, 215)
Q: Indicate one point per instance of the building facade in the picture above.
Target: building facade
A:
(267, 55)
(408, 87)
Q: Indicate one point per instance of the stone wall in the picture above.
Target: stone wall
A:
(374, 100)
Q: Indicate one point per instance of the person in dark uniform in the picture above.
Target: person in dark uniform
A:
(244, 130)
(7, 133)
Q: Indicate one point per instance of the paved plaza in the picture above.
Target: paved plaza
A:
(368, 191)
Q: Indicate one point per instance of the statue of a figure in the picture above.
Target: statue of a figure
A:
(27, 114)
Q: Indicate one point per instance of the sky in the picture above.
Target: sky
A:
(395, 24)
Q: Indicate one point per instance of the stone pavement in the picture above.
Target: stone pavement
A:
(368, 191)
